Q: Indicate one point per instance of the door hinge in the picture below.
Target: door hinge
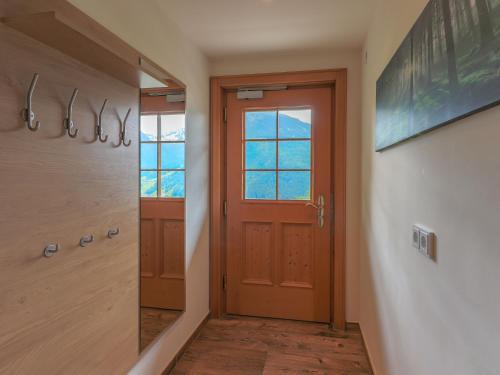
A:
(224, 114)
(224, 282)
(224, 208)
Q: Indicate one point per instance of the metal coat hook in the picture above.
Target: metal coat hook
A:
(113, 232)
(123, 130)
(68, 121)
(27, 113)
(85, 240)
(98, 128)
(50, 250)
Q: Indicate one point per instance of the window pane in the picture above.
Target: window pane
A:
(149, 125)
(295, 123)
(172, 184)
(173, 127)
(260, 155)
(294, 154)
(294, 185)
(149, 184)
(172, 156)
(149, 156)
(260, 125)
(260, 185)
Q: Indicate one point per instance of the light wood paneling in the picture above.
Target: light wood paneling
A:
(74, 313)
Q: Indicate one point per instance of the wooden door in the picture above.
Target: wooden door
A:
(278, 200)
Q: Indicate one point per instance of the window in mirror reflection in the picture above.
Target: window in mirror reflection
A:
(163, 138)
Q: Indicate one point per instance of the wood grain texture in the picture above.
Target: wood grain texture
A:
(254, 346)
(74, 313)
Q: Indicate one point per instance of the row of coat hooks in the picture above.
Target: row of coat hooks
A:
(53, 248)
(29, 117)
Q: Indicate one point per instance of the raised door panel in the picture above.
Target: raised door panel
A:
(297, 255)
(148, 248)
(172, 249)
(257, 253)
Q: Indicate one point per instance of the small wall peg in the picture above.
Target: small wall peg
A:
(123, 129)
(113, 232)
(98, 128)
(50, 250)
(27, 113)
(68, 121)
(85, 240)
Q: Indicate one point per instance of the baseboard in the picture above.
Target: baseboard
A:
(366, 349)
(188, 342)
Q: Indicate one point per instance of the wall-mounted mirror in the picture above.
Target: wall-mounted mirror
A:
(162, 189)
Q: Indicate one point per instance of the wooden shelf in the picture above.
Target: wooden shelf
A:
(72, 32)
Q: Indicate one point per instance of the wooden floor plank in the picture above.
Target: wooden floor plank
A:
(246, 346)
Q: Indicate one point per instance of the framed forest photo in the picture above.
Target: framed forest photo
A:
(446, 68)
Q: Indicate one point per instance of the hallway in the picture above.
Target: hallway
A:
(250, 346)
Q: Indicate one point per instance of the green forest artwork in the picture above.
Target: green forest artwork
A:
(446, 68)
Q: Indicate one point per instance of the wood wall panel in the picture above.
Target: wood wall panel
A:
(296, 255)
(74, 313)
(257, 257)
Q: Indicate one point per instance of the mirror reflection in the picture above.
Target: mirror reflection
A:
(162, 189)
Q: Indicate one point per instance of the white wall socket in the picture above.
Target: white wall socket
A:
(424, 240)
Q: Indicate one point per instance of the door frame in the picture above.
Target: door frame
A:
(219, 85)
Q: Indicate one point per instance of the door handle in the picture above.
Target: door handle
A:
(320, 207)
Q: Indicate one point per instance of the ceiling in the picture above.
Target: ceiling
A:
(222, 28)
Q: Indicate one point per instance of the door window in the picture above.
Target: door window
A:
(162, 155)
(277, 154)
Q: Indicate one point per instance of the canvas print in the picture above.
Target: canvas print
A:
(447, 67)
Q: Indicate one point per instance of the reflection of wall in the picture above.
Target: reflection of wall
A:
(418, 316)
(76, 312)
(149, 30)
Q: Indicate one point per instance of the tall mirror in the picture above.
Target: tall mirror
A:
(162, 189)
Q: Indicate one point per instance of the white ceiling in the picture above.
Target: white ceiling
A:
(223, 28)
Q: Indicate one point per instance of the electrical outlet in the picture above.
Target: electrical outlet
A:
(415, 239)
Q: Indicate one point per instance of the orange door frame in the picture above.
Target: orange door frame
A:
(336, 78)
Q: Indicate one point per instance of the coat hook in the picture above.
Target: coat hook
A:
(68, 121)
(98, 128)
(123, 131)
(85, 240)
(113, 232)
(27, 113)
(50, 250)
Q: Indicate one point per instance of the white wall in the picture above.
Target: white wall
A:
(421, 317)
(148, 30)
(304, 60)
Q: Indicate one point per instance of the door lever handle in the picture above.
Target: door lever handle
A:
(321, 209)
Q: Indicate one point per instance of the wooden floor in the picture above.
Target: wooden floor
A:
(248, 346)
(154, 321)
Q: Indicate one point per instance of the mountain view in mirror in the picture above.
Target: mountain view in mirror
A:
(162, 189)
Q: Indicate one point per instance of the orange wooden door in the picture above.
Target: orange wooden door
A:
(278, 174)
